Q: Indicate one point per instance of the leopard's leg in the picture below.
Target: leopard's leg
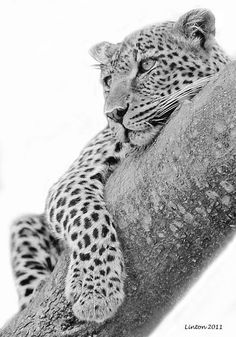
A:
(77, 213)
(34, 253)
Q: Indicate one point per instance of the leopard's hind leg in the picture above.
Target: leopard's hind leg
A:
(34, 253)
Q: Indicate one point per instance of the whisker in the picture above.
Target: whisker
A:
(99, 66)
(197, 84)
(161, 116)
(147, 123)
(170, 102)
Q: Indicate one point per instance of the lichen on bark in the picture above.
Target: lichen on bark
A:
(174, 205)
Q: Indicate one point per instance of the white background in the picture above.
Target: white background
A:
(51, 104)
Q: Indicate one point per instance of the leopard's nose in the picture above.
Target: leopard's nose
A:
(117, 114)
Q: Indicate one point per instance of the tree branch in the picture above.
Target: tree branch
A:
(174, 205)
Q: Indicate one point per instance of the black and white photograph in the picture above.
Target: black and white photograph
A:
(117, 168)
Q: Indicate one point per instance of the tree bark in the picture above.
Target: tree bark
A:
(174, 204)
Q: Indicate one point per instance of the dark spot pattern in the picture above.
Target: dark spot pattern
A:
(111, 161)
(28, 291)
(95, 233)
(95, 216)
(105, 231)
(84, 257)
(87, 240)
(27, 280)
(76, 208)
(74, 236)
(75, 201)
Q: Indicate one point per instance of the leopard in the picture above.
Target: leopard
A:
(145, 78)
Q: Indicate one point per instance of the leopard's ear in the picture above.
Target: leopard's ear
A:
(103, 51)
(198, 26)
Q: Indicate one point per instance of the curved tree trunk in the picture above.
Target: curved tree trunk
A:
(174, 205)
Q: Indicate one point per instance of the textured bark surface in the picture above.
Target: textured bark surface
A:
(174, 204)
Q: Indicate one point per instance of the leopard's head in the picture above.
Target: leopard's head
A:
(149, 74)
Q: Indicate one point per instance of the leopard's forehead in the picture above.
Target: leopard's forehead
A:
(149, 37)
(147, 42)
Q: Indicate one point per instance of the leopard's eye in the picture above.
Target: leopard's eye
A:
(107, 81)
(146, 65)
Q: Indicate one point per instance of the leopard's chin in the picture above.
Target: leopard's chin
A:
(144, 137)
(135, 137)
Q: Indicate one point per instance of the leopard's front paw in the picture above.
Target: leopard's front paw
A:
(98, 304)
(95, 287)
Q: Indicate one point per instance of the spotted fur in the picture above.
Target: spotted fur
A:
(145, 78)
